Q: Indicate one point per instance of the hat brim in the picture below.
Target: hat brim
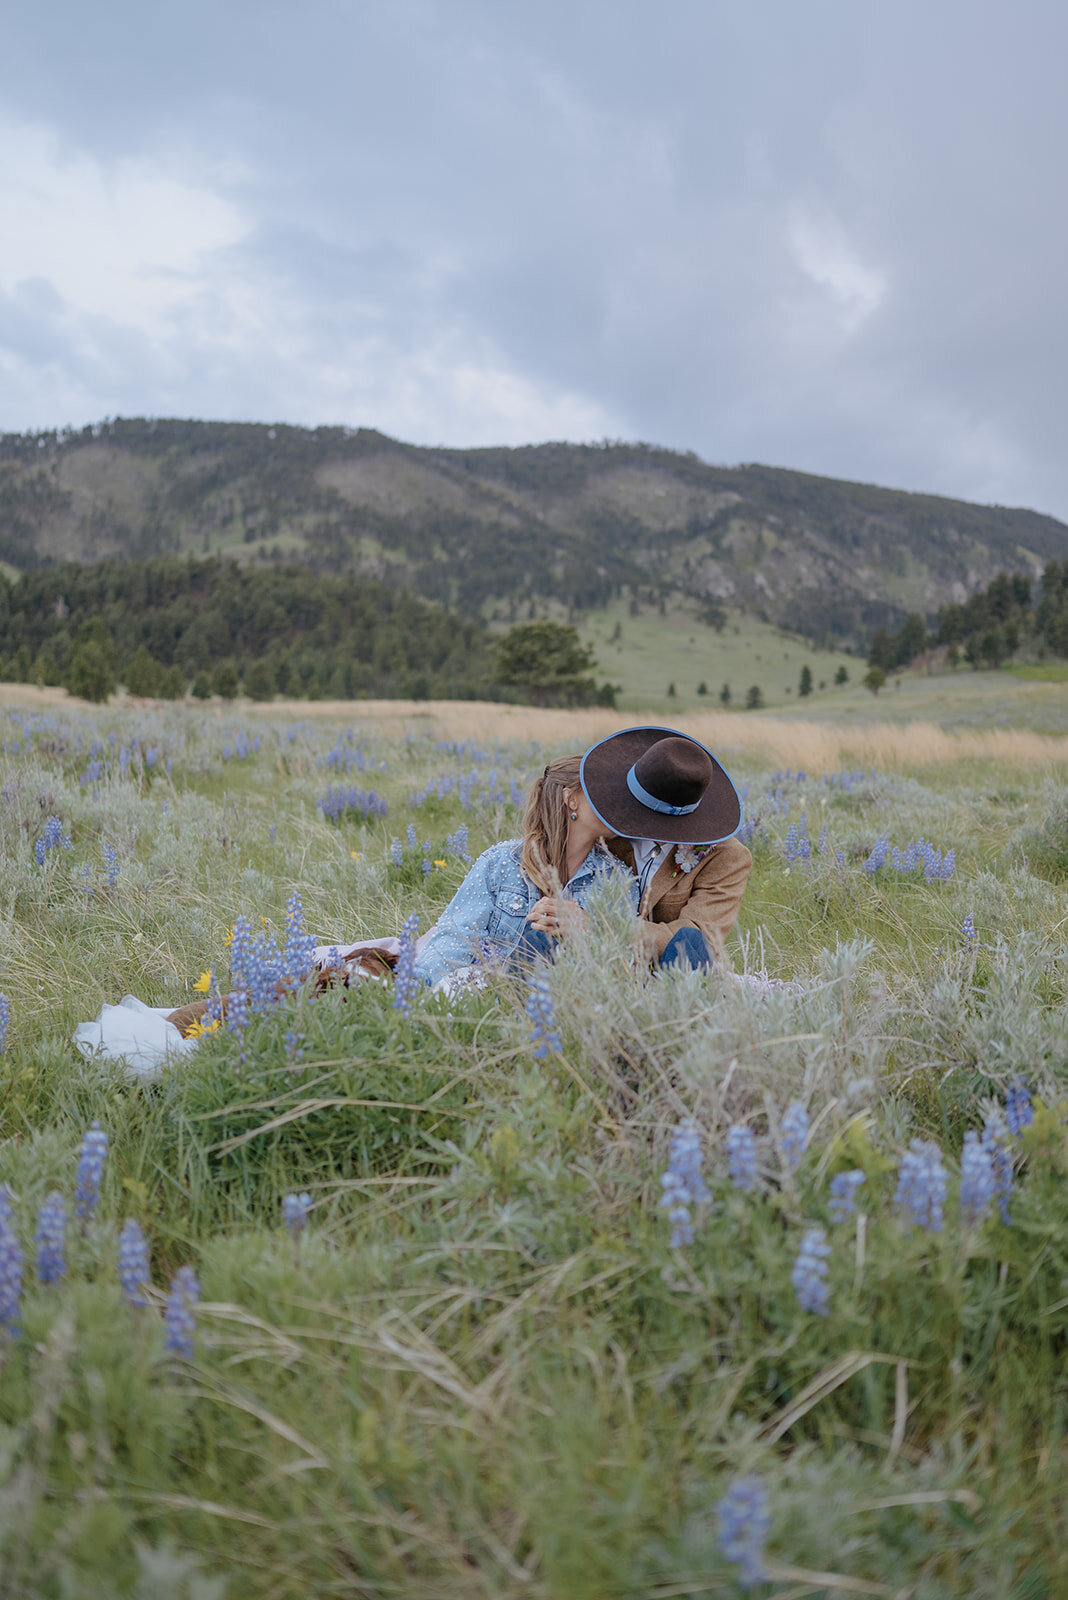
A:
(603, 775)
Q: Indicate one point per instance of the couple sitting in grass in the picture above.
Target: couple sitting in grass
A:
(648, 804)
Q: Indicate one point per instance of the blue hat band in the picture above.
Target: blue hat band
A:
(653, 803)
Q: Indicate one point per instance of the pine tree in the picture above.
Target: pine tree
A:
(224, 680)
(91, 675)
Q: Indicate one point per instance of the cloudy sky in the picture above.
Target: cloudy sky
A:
(815, 233)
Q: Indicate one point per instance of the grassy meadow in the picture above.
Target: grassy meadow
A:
(646, 653)
(484, 1368)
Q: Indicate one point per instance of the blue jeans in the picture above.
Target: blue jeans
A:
(687, 949)
(532, 944)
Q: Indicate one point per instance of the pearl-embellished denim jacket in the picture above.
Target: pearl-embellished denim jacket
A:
(492, 904)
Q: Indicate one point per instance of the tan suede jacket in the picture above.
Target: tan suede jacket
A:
(707, 898)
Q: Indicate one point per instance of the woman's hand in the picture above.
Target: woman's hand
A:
(555, 917)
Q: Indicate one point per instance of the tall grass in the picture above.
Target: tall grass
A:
(813, 746)
(482, 1369)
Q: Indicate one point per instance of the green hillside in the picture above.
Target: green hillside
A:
(645, 655)
(558, 528)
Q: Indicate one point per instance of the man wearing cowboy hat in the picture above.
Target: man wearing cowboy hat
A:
(675, 813)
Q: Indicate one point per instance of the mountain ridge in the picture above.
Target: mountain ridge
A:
(512, 532)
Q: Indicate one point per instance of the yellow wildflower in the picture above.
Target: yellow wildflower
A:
(440, 863)
(228, 937)
(203, 983)
(196, 1029)
(356, 855)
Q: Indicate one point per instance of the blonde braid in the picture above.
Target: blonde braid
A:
(545, 820)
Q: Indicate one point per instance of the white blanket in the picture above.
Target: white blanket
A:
(136, 1034)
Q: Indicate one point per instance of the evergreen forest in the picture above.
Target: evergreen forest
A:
(162, 625)
(989, 628)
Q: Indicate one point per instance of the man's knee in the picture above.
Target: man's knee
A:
(690, 947)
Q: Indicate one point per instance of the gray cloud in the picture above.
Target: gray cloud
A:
(823, 236)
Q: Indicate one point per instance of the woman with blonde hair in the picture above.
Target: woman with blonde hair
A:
(522, 894)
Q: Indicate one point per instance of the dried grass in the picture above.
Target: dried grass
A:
(818, 747)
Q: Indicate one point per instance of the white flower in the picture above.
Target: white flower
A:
(687, 856)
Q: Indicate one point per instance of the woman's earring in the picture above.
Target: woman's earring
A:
(574, 816)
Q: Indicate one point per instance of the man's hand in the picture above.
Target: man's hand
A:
(554, 917)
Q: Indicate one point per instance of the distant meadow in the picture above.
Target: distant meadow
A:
(608, 1284)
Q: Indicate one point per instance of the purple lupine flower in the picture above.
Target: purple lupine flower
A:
(921, 1185)
(269, 972)
(411, 837)
(682, 1183)
(809, 1275)
(53, 838)
(794, 1134)
(180, 1318)
(10, 1279)
(340, 798)
(134, 1271)
(539, 1008)
(295, 1210)
(240, 952)
(741, 1157)
(294, 1053)
(5, 1020)
(843, 1190)
(743, 1522)
(51, 1239)
(978, 1180)
(967, 928)
(396, 853)
(1018, 1110)
(880, 852)
(458, 843)
(237, 1017)
(111, 863)
(998, 1141)
(91, 1157)
(405, 982)
(299, 954)
(264, 974)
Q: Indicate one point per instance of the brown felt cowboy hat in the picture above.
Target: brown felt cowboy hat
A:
(655, 783)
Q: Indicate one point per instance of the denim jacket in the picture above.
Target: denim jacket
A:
(492, 904)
